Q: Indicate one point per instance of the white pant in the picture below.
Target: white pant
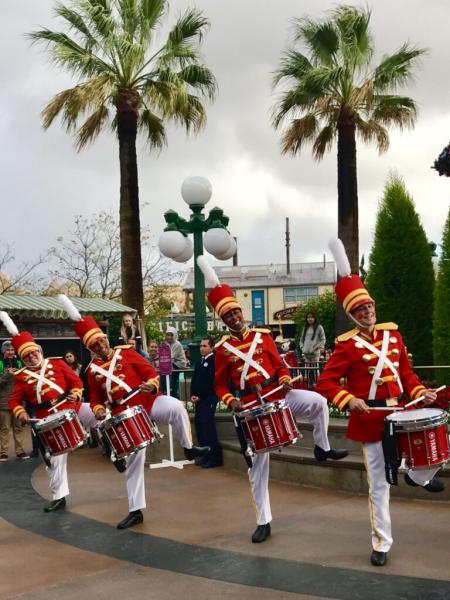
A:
(57, 471)
(169, 411)
(379, 491)
(302, 403)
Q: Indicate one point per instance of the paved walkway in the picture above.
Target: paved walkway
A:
(195, 540)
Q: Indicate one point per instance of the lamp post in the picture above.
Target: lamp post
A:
(175, 243)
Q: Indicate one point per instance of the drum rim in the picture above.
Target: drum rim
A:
(136, 449)
(398, 417)
(130, 411)
(68, 414)
(261, 410)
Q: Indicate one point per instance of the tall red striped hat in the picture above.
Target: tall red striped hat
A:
(23, 342)
(350, 289)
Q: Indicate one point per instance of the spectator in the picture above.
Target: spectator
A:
(205, 402)
(8, 422)
(70, 358)
(178, 359)
(153, 354)
(128, 329)
(312, 342)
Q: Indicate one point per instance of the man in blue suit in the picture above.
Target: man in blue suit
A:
(205, 401)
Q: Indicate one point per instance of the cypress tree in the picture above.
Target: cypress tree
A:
(401, 277)
(441, 318)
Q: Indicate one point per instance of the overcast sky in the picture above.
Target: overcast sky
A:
(44, 182)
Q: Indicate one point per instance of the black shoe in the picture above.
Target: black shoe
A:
(56, 505)
(135, 517)
(321, 454)
(378, 559)
(196, 452)
(210, 464)
(261, 533)
(120, 464)
(434, 486)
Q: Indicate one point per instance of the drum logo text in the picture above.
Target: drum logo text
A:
(433, 446)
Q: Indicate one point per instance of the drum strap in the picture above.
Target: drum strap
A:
(391, 459)
(109, 375)
(248, 359)
(382, 360)
(43, 380)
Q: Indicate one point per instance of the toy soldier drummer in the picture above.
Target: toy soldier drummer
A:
(249, 359)
(41, 384)
(373, 361)
(112, 374)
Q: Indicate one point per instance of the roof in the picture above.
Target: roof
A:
(252, 276)
(48, 307)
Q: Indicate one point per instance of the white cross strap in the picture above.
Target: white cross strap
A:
(382, 360)
(42, 380)
(248, 360)
(109, 375)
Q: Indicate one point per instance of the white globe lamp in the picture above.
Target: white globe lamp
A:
(187, 252)
(217, 241)
(172, 243)
(196, 191)
(231, 251)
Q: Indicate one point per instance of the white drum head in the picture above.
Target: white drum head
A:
(411, 416)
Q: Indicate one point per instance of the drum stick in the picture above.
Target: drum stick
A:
(280, 386)
(390, 408)
(439, 389)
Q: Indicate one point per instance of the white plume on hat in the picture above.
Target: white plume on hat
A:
(8, 323)
(340, 256)
(211, 279)
(69, 307)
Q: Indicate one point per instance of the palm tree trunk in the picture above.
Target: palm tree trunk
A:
(130, 227)
(348, 230)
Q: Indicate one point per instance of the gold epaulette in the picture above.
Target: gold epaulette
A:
(123, 347)
(347, 335)
(222, 340)
(19, 371)
(261, 330)
(386, 326)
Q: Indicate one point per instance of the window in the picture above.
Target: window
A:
(300, 294)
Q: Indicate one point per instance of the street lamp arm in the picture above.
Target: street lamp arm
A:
(176, 223)
(216, 219)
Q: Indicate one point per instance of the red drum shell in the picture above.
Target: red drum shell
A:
(61, 432)
(129, 431)
(269, 427)
(422, 437)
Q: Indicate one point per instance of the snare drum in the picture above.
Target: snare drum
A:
(422, 437)
(61, 432)
(129, 431)
(268, 427)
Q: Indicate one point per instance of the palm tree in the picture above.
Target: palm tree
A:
(336, 94)
(124, 82)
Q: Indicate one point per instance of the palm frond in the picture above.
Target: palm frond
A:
(153, 129)
(293, 65)
(151, 14)
(199, 78)
(299, 132)
(323, 141)
(372, 131)
(355, 41)
(90, 129)
(362, 97)
(320, 38)
(76, 23)
(396, 70)
(191, 24)
(395, 110)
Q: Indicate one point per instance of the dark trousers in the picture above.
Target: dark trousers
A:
(205, 427)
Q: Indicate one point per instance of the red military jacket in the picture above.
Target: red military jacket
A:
(26, 388)
(229, 367)
(129, 367)
(352, 362)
